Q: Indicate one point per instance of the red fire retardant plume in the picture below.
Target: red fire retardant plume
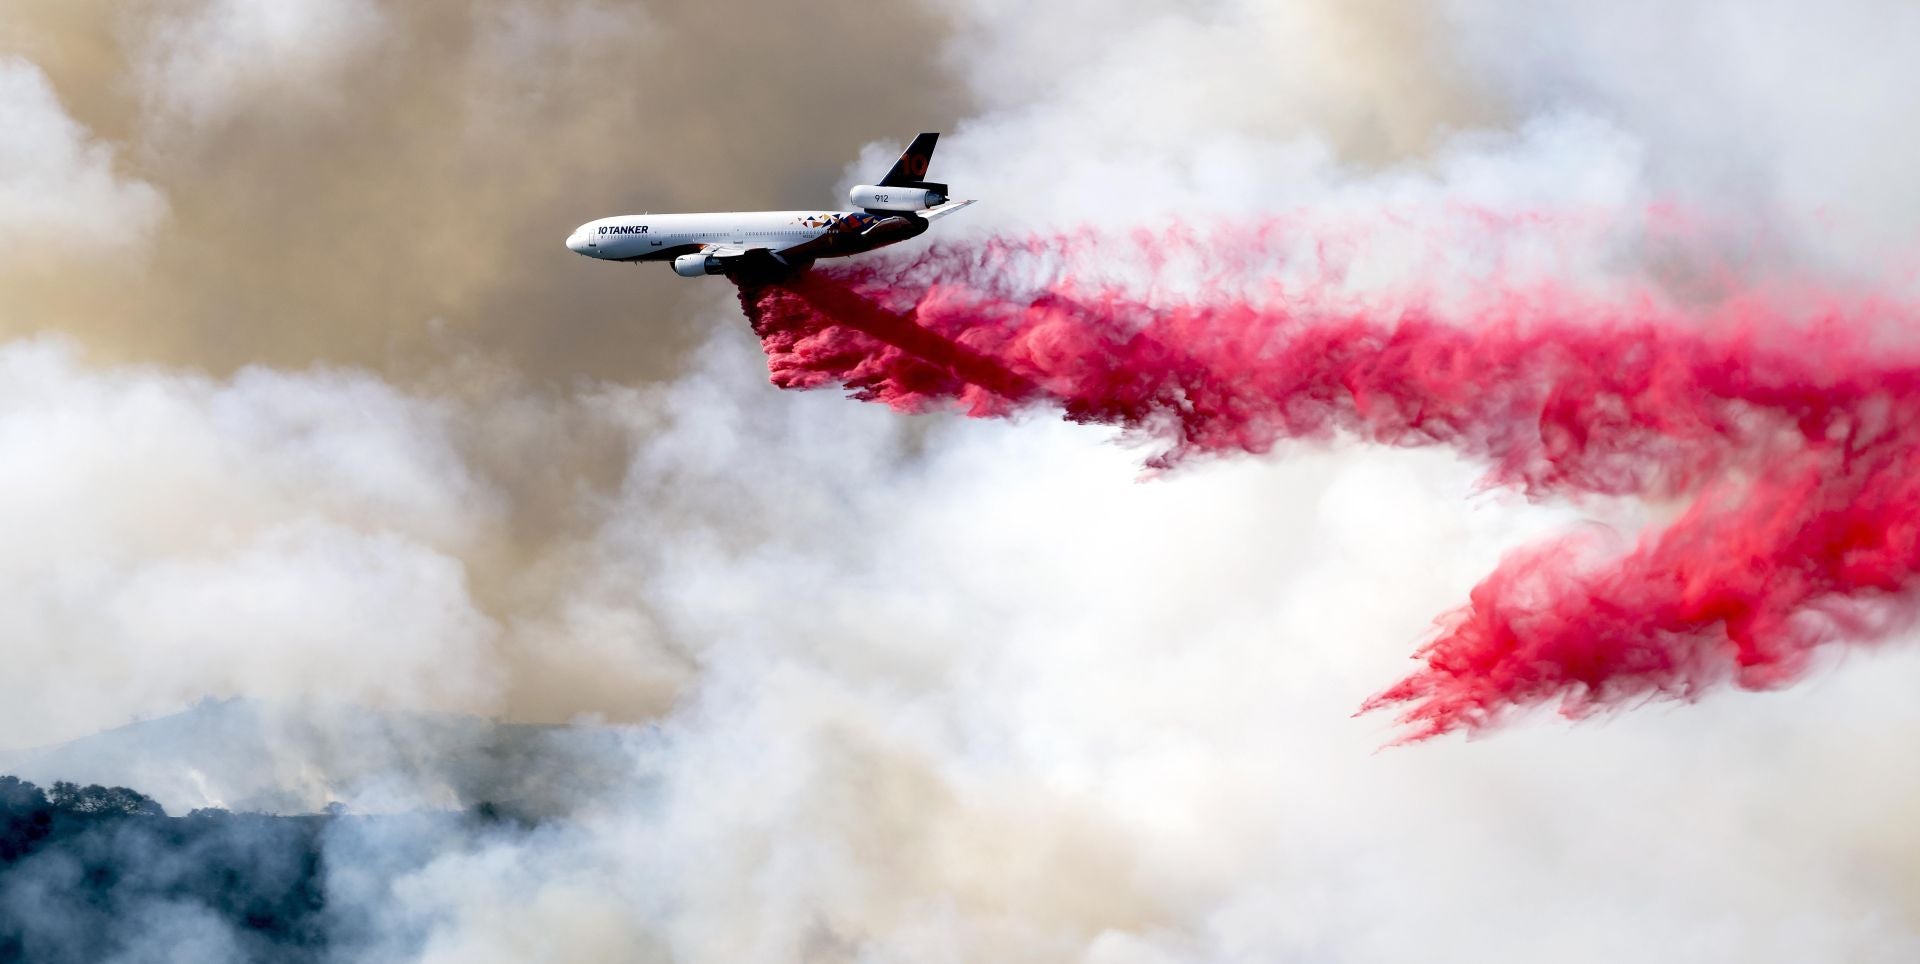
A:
(1794, 444)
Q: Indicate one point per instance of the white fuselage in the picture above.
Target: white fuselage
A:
(650, 236)
(794, 238)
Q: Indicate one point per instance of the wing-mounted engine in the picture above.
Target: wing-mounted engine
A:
(907, 198)
(695, 265)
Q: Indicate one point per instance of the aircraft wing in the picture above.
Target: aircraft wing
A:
(731, 253)
(935, 213)
(747, 256)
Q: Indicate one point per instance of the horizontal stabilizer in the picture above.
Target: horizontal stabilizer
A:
(935, 213)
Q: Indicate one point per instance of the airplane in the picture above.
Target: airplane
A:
(774, 244)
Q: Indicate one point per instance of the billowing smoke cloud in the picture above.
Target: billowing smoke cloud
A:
(920, 687)
(189, 537)
(55, 179)
(1785, 119)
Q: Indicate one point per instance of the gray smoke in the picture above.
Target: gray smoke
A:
(334, 421)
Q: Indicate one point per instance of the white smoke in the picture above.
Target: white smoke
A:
(59, 186)
(206, 63)
(941, 690)
(278, 535)
(1788, 120)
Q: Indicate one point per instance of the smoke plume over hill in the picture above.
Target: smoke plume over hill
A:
(1584, 323)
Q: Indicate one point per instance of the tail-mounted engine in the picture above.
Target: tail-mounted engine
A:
(917, 196)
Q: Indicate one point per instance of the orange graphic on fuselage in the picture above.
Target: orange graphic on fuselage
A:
(839, 223)
(852, 223)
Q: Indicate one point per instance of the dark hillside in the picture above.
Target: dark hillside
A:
(96, 873)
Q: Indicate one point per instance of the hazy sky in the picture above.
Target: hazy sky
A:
(383, 184)
(302, 399)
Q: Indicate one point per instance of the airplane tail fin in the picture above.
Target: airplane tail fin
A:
(911, 169)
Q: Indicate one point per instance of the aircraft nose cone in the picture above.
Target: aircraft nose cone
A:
(577, 242)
